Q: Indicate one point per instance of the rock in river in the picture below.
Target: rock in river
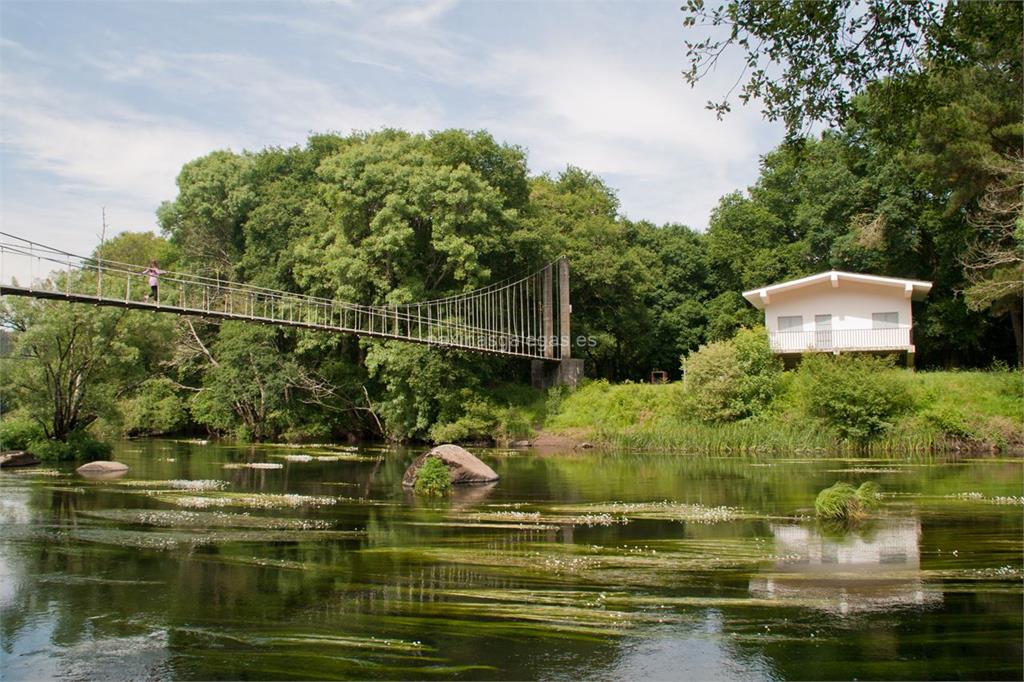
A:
(17, 458)
(463, 467)
(102, 469)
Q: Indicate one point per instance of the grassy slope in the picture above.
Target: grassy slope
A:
(951, 409)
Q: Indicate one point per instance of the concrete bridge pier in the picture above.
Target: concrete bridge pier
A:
(558, 368)
(548, 373)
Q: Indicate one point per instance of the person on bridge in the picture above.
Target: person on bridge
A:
(154, 273)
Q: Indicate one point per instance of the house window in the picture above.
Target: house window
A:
(791, 323)
(885, 320)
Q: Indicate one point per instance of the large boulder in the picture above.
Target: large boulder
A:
(102, 469)
(463, 467)
(17, 458)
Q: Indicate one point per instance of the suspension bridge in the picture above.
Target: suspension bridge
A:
(526, 317)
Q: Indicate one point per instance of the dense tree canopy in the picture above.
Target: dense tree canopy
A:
(392, 217)
(920, 174)
(806, 61)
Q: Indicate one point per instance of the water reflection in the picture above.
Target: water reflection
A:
(697, 652)
(873, 568)
(433, 588)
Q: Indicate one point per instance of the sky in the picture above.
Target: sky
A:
(102, 103)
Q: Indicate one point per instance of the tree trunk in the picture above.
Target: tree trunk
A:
(1018, 332)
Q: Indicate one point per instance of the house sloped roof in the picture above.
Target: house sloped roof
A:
(912, 288)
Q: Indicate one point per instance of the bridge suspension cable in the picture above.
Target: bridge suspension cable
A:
(517, 317)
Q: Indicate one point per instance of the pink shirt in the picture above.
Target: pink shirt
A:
(153, 273)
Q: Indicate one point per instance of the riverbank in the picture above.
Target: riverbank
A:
(977, 412)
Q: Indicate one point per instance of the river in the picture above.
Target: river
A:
(598, 565)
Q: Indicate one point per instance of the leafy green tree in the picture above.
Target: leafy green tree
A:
(423, 386)
(205, 220)
(67, 362)
(611, 282)
(806, 60)
(678, 291)
(71, 365)
(245, 387)
(155, 408)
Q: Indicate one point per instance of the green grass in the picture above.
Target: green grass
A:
(959, 410)
(844, 503)
(433, 478)
(620, 406)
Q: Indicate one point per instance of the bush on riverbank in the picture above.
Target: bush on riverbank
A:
(934, 411)
(733, 379)
(503, 415)
(857, 396)
(80, 445)
(16, 432)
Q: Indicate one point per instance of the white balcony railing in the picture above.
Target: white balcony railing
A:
(840, 340)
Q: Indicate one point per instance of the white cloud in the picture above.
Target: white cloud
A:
(635, 123)
(569, 99)
(398, 37)
(605, 99)
(116, 150)
(69, 221)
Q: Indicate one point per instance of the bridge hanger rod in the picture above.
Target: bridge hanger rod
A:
(128, 268)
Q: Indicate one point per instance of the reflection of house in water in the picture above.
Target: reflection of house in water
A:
(876, 569)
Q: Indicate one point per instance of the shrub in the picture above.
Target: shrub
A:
(307, 432)
(734, 379)
(950, 421)
(16, 433)
(556, 395)
(843, 502)
(484, 421)
(79, 445)
(858, 396)
(433, 478)
(479, 422)
(155, 409)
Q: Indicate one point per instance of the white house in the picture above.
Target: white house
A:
(839, 312)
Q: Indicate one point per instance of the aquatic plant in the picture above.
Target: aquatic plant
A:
(843, 502)
(433, 478)
(185, 539)
(663, 511)
(173, 518)
(175, 484)
(253, 500)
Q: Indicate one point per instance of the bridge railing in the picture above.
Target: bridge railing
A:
(502, 319)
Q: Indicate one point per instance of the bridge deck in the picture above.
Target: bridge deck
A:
(71, 297)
